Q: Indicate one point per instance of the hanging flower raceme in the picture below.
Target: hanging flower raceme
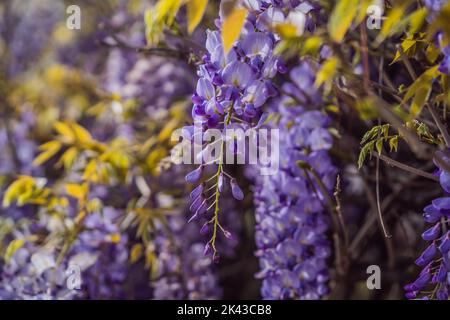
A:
(292, 221)
(435, 259)
(230, 93)
(182, 270)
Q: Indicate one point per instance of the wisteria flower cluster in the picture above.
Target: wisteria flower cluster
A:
(292, 223)
(435, 258)
(230, 92)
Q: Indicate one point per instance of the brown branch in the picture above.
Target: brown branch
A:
(405, 167)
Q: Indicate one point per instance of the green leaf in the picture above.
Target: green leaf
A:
(366, 108)
(81, 133)
(365, 151)
(385, 130)
(393, 144)
(195, 11)
(417, 19)
(232, 27)
(379, 146)
(341, 18)
(369, 135)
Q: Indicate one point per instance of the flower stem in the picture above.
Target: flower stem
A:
(217, 175)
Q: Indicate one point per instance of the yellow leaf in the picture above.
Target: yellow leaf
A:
(75, 190)
(68, 158)
(94, 205)
(136, 252)
(50, 149)
(406, 45)
(392, 22)
(341, 18)
(13, 247)
(421, 96)
(364, 5)
(232, 27)
(81, 133)
(195, 11)
(286, 30)
(417, 19)
(24, 184)
(167, 131)
(90, 172)
(65, 130)
(327, 71)
(312, 45)
(161, 15)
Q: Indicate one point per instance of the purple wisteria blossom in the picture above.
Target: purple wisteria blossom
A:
(292, 222)
(435, 259)
(230, 93)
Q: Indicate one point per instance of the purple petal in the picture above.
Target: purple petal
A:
(236, 190)
(205, 89)
(432, 233)
(194, 176)
(238, 74)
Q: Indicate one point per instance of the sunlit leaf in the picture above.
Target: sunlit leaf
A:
(417, 19)
(420, 91)
(407, 45)
(23, 185)
(393, 143)
(158, 17)
(195, 11)
(49, 150)
(341, 18)
(167, 131)
(65, 130)
(392, 22)
(76, 190)
(379, 146)
(312, 45)
(232, 27)
(81, 133)
(286, 30)
(69, 157)
(327, 72)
